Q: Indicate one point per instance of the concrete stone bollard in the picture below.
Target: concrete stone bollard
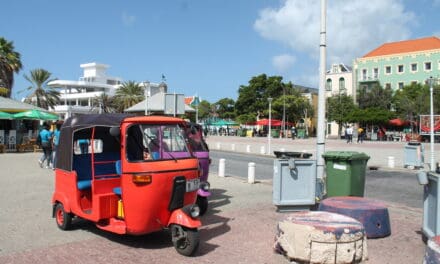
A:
(251, 172)
(248, 148)
(233, 147)
(221, 167)
(321, 237)
(391, 162)
(262, 150)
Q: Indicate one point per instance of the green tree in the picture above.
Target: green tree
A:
(129, 94)
(10, 63)
(339, 108)
(225, 108)
(412, 101)
(103, 104)
(204, 109)
(41, 95)
(377, 97)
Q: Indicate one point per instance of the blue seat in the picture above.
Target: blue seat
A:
(117, 190)
(84, 184)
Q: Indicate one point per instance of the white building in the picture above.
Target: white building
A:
(77, 96)
(339, 80)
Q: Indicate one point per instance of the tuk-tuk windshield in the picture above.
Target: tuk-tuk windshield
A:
(156, 142)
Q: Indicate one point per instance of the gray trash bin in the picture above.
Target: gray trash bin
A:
(294, 181)
(414, 155)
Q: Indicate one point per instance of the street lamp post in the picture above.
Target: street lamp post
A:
(284, 111)
(146, 94)
(269, 135)
(431, 81)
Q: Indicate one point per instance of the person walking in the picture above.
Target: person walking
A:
(360, 135)
(349, 134)
(56, 141)
(46, 144)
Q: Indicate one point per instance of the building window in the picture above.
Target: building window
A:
(400, 68)
(388, 86)
(414, 67)
(341, 84)
(414, 83)
(364, 74)
(400, 85)
(376, 73)
(387, 69)
(328, 86)
(427, 66)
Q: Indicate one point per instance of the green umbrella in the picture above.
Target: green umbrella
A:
(222, 122)
(4, 115)
(36, 115)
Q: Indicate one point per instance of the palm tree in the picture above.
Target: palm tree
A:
(103, 103)
(129, 94)
(9, 63)
(41, 95)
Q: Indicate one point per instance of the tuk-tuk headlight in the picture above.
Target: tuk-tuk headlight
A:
(193, 210)
(205, 186)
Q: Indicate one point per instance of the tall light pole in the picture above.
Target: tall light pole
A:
(270, 125)
(431, 81)
(320, 148)
(284, 111)
(146, 94)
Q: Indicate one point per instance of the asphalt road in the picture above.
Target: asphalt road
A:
(396, 186)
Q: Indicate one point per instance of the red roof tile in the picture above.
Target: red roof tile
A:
(429, 43)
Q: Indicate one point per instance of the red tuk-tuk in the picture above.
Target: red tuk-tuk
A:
(201, 151)
(128, 175)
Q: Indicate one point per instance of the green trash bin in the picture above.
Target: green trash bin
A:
(275, 133)
(345, 173)
(301, 132)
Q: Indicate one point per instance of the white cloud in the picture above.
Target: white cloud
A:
(283, 62)
(127, 19)
(353, 27)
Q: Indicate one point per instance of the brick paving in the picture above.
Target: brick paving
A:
(238, 228)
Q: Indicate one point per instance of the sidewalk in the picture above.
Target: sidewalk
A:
(404, 245)
(239, 226)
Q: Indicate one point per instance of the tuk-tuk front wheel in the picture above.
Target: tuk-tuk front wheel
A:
(185, 240)
(63, 219)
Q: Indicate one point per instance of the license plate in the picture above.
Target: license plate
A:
(192, 185)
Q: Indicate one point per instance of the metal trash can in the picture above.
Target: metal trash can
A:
(294, 181)
(414, 155)
(431, 205)
(345, 173)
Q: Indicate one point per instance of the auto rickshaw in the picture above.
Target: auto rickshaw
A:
(136, 175)
(201, 151)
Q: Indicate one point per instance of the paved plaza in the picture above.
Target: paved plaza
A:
(238, 228)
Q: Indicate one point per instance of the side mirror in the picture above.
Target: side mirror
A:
(193, 130)
(115, 131)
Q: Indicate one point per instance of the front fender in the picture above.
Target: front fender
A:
(179, 217)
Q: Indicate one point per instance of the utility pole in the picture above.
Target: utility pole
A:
(320, 148)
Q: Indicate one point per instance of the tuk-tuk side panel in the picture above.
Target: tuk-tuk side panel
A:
(146, 206)
(66, 191)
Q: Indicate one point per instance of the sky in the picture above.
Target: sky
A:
(207, 48)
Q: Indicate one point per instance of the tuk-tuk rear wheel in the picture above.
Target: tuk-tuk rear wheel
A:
(63, 219)
(185, 240)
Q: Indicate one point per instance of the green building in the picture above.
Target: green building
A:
(398, 64)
